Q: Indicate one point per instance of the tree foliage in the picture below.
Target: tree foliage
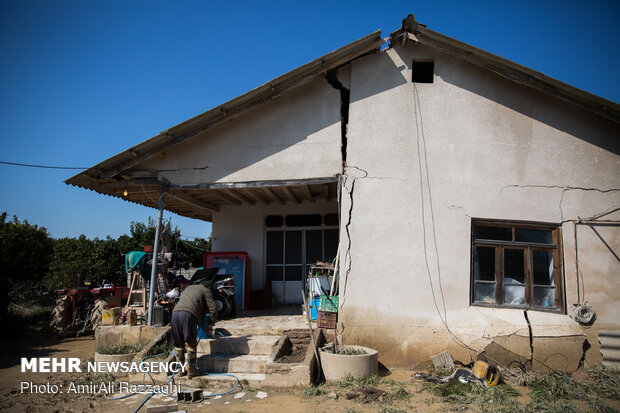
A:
(25, 249)
(28, 252)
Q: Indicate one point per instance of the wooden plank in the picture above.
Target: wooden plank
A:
(307, 193)
(256, 184)
(224, 197)
(326, 192)
(258, 195)
(238, 195)
(194, 201)
(272, 194)
(251, 195)
(290, 194)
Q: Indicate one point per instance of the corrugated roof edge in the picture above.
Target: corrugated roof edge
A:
(185, 130)
(418, 33)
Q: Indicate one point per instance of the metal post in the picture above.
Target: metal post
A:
(155, 251)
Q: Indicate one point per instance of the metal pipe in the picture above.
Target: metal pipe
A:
(160, 215)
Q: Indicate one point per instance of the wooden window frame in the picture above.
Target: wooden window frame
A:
(528, 248)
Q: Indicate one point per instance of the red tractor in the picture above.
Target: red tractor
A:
(78, 309)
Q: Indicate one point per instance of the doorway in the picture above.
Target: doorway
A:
(292, 247)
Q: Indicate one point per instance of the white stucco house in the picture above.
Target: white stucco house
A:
(474, 200)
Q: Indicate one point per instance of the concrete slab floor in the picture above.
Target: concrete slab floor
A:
(273, 321)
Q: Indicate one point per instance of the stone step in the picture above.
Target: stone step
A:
(227, 363)
(237, 345)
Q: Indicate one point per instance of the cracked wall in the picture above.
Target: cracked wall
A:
(422, 160)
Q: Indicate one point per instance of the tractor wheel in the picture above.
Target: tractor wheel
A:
(61, 314)
(104, 303)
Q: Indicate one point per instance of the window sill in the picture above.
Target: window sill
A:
(515, 307)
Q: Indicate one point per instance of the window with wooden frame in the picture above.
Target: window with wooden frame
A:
(516, 265)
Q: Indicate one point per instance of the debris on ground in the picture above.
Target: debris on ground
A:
(462, 375)
(443, 361)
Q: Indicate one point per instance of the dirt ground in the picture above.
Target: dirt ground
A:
(395, 393)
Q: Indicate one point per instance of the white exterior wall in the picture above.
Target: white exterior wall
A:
(295, 136)
(242, 228)
(483, 147)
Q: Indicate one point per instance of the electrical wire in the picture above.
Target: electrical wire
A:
(220, 374)
(40, 166)
(131, 394)
(420, 138)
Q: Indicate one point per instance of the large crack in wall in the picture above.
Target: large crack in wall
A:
(345, 97)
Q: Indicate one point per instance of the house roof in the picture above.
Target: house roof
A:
(115, 165)
(412, 31)
(200, 201)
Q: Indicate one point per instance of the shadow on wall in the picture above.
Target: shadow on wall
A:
(593, 226)
(545, 108)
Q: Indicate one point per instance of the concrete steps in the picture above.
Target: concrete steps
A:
(242, 355)
(252, 357)
(233, 363)
(237, 345)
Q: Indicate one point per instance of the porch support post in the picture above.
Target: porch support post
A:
(160, 214)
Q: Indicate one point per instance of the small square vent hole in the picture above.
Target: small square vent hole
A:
(423, 71)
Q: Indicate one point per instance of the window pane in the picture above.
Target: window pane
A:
(485, 263)
(485, 293)
(275, 244)
(314, 220)
(331, 244)
(274, 273)
(543, 268)
(314, 246)
(514, 266)
(293, 247)
(274, 221)
(514, 294)
(293, 273)
(534, 235)
(331, 219)
(544, 297)
(493, 233)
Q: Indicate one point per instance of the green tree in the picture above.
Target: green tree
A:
(25, 252)
(25, 249)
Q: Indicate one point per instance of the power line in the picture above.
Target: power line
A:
(40, 166)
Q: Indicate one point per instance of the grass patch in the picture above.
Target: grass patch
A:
(400, 394)
(311, 391)
(159, 348)
(121, 348)
(20, 322)
(439, 371)
(351, 352)
(349, 382)
(607, 382)
(554, 391)
(448, 390)
(95, 378)
(464, 394)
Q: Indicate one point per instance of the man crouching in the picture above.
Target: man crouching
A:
(195, 302)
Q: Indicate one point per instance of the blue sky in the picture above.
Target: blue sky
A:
(83, 80)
